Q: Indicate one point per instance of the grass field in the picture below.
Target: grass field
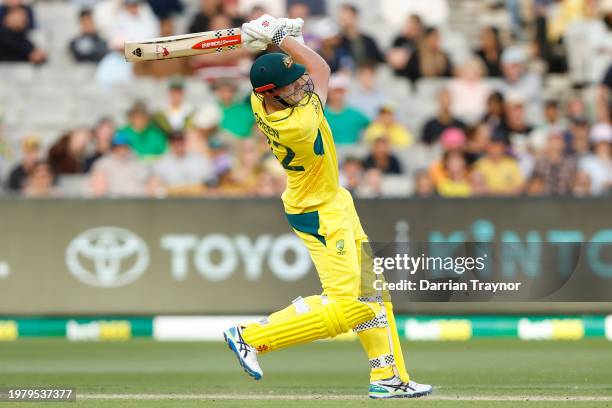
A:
(477, 373)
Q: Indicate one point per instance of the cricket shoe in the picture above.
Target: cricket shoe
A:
(247, 355)
(394, 387)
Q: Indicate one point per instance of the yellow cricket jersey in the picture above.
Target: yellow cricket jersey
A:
(302, 141)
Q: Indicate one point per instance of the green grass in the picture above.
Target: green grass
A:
(476, 368)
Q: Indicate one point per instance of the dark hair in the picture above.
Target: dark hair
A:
(350, 7)
(85, 12)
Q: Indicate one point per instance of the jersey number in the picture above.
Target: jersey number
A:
(287, 160)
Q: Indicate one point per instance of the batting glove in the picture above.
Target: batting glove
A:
(293, 27)
(266, 29)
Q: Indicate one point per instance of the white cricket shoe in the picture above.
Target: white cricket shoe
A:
(247, 355)
(394, 387)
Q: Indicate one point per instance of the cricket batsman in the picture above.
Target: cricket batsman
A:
(289, 94)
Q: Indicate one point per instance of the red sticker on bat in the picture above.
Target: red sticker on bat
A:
(218, 42)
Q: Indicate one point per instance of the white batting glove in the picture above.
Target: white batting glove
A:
(293, 27)
(266, 29)
(253, 43)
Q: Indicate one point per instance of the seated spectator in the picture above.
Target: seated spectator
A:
(577, 136)
(557, 170)
(119, 173)
(165, 9)
(478, 139)
(406, 44)
(237, 117)
(535, 186)
(143, 136)
(386, 125)
(103, 138)
(205, 125)
(552, 119)
(429, 60)
(7, 5)
(372, 185)
(501, 172)
(452, 139)
(361, 47)
(180, 171)
(423, 185)
(604, 97)
(443, 120)
(366, 95)
(67, 155)
(177, 115)
(207, 11)
(490, 51)
(381, 158)
(40, 182)
(351, 174)
(346, 123)
(598, 165)
(582, 185)
(433, 12)
(134, 20)
(518, 80)
(247, 164)
(469, 92)
(328, 40)
(515, 128)
(30, 155)
(14, 43)
(88, 46)
(455, 183)
(495, 115)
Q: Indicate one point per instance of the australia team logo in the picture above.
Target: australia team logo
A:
(107, 257)
(288, 61)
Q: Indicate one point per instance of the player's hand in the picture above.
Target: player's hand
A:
(251, 42)
(293, 27)
(266, 29)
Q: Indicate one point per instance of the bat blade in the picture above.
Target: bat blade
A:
(183, 45)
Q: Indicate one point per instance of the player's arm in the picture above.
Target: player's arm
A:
(316, 66)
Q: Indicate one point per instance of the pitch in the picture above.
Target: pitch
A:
(477, 373)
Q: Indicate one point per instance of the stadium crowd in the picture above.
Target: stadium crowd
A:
(495, 132)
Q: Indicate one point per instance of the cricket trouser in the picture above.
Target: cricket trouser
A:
(335, 238)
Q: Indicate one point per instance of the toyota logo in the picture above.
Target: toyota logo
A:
(107, 257)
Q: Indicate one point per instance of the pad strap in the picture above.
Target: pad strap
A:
(373, 299)
(385, 360)
(380, 320)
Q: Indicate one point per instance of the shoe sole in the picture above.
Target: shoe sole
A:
(416, 395)
(246, 369)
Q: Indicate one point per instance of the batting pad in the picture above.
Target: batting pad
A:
(330, 320)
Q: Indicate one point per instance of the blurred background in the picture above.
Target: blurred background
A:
(473, 120)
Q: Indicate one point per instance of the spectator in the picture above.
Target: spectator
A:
(405, 45)
(557, 171)
(314, 7)
(30, 151)
(204, 128)
(182, 172)
(429, 60)
(516, 129)
(88, 46)
(371, 187)
(207, 11)
(552, 119)
(518, 80)
(165, 9)
(361, 47)
(604, 97)
(119, 174)
(247, 166)
(366, 96)
(443, 120)
(237, 118)
(67, 155)
(496, 110)
(8, 5)
(582, 185)
(328, 46)
(478, 139)
(578, 138)
(351, 174)
(386, 124)
(14, 43)
(502, 174)
(345, 122)
(469, 92)
(423, 185)
(455, 184)
(381, 158)
(490, 51)
(40, 181)
(143, 136)
(177, 115)
(536, 186)
(133, 21)
(451, 139)
(598, 165)
(103, 137)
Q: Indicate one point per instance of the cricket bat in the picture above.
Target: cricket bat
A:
(187, 45)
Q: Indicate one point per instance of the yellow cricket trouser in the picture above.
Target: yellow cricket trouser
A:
(334, 238)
